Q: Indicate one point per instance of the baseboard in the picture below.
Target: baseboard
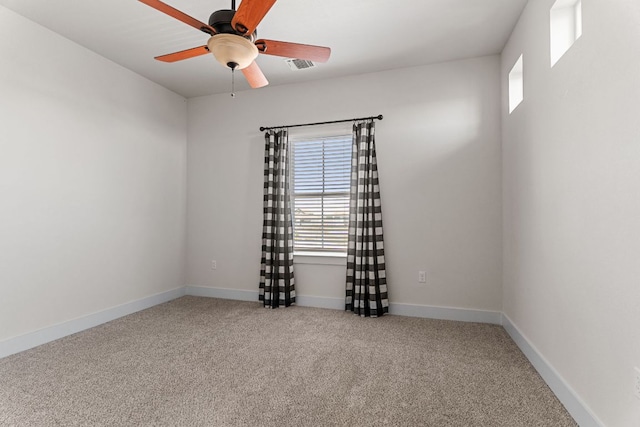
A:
(571, 401)
(244, 295)
(52, 333)
(446, 313)
(411, 310)
(222, 293)
(320, 302)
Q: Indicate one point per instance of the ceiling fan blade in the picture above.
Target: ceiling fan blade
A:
(294, 50)
(181, 16)
(249, 15)
(254, 76)
(184, 54)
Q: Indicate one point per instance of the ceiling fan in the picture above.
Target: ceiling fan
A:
(233, 41)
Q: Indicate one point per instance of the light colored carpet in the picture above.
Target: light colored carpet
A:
(208, 362)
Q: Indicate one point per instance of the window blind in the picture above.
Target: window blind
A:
(321, 174)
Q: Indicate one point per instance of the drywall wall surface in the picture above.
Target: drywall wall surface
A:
(439, 162)
(92, 181)
(571, 162)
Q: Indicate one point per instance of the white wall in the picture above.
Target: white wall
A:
(572, 202)
(439, 162)
(92, 181)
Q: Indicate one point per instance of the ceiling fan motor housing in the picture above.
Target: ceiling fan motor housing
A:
(231, 49)
(220, 20)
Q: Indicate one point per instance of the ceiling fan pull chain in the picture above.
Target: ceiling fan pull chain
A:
(233, 82)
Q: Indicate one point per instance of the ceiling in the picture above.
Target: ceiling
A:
(364, 35)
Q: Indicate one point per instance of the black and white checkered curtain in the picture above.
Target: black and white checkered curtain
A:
(277, 285)
(366, 276)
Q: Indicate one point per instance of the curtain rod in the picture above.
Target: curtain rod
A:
(378, 117)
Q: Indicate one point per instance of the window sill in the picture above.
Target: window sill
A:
(320, 258)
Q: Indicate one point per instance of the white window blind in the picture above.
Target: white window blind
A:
(321, 174)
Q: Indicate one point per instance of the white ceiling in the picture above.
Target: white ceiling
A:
(364, 35)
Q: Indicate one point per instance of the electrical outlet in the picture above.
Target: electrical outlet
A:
(214, 265)
(422, 277)
(636, 382)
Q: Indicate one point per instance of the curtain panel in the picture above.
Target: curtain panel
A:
(366, 289)
(277, 284)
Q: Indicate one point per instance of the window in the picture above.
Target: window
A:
(565, 27)
(516, 85)
(320, 183)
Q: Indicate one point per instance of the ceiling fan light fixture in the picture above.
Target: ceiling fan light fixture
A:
(232, 49)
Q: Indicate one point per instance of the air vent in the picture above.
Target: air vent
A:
(299, 64)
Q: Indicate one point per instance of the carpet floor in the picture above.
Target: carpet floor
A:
(210, 362)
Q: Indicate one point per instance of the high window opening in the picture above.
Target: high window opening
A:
(320, 184)
(516, 85)
(566, 27)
